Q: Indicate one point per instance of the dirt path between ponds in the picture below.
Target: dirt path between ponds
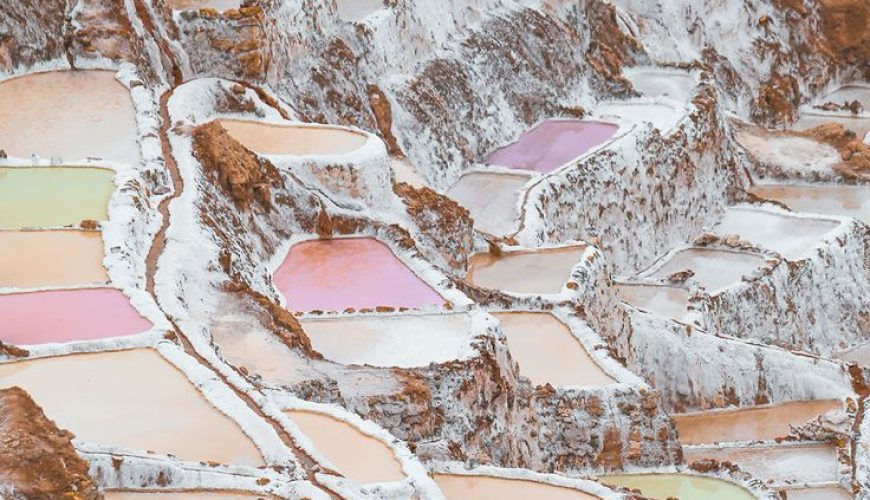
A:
(309, 465)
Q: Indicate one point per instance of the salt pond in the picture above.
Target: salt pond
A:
(791, 236)
(404, 341)
(187, 495)
(132, 399)
(669, 301)
(535, 271)
(69, 114)
(221, 5)
(356, 455)
(54, 196)
(343, 273)
(296, 140)
(683, 486)
(714, 269)
(37, 259)
(357, 10)
(461, 487)
(849, 201)
(492, 198)
(547, 351)
(552, 144)
(798, 464)
(789, 153)
(677, 85)
(68, 315)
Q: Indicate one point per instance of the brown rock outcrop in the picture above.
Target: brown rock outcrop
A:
(854, 153)
(37, 460)
(846, 26)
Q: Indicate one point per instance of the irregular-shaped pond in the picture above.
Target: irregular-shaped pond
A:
(461, 487)
(539, 271)
(295, 140)
(849, 201)
(685, 486)
(492, 198)
(791, 236)
(714, 269)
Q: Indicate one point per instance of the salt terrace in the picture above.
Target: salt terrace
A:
(464, 250)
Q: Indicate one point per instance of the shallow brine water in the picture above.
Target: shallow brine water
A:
(343, 273)
(787, 152)
(798, 464)
(831, 493)
(539, 272)
(849, 201)
(491, 198)
(356, 455)
(552, 144)
(357, 10)
(714, 269)
(70, 114)
(676, 85)
(668, 301)
(749, 424)
(456, 487)
(54, 197)
(297, 140)
(68, 315)
(793, 237)
(36, 259)
(404, 341)
(682, 486)
(547, 351)
(221, 5)
(132, 399)
(849, 93)
(188, 495)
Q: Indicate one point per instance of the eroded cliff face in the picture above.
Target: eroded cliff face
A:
(31, 32)
(37, 460)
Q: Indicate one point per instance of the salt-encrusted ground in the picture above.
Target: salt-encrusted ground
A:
(699, 92)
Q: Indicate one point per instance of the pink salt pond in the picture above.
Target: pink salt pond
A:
(551, 144)
(337, 274)
(67, 315)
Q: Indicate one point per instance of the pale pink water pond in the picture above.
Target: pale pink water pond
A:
(68, 315)
(337, 274)
(551, 144)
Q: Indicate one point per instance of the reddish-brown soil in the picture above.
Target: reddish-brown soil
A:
(855, 154)
(37, 460)
(846, 25)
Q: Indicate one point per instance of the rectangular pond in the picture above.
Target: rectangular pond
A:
(795, 464)
(54, 196)
(543, 271)
(847, 201)
(552, 144)
(668, 301)
(547, 351)
(685, 486)
(68, 315)
(131, 399)
(294, 139)
(336, 274)
(792, 237)
(462, 487)
(36, 259)
(492, 198)
(714, 269)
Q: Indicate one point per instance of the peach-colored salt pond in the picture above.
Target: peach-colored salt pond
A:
(824, 493)
(849, 201)
(401, 340)
(788, 152)
(36, 259)
(54, 196)
(791, 236)
(714, 269)
(538, 271)
(68, 315)
(356, 455)
(552, 144)
(221, 5)
(749, 424)
(296, 140)
(131, 399)
(186, 495)
(461, 487)
(70, 114)
(342, 273)
(668, 301)
(357, 10)
(492, 198)
(787, 464)
(547, 352)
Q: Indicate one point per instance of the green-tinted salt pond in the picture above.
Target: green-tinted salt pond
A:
(682, 486)
(53, 196)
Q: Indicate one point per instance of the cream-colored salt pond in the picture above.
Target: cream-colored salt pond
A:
(788, 152)
(492, 198)
(547, 352)
(60, 258)
(796, 464)
(714, 269)
(829, 493)
(185, 495)
(295, 140)
(69, 114)
(534, 271)
(677, 85)
(749, 424)
(132, 399)
(357, 10)
(221, 5)
(791, 236)
(683, 486)
(462, 487)
(405, 340)
(356, 455)
(54, 196)
(668, 301)
(848, 201)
